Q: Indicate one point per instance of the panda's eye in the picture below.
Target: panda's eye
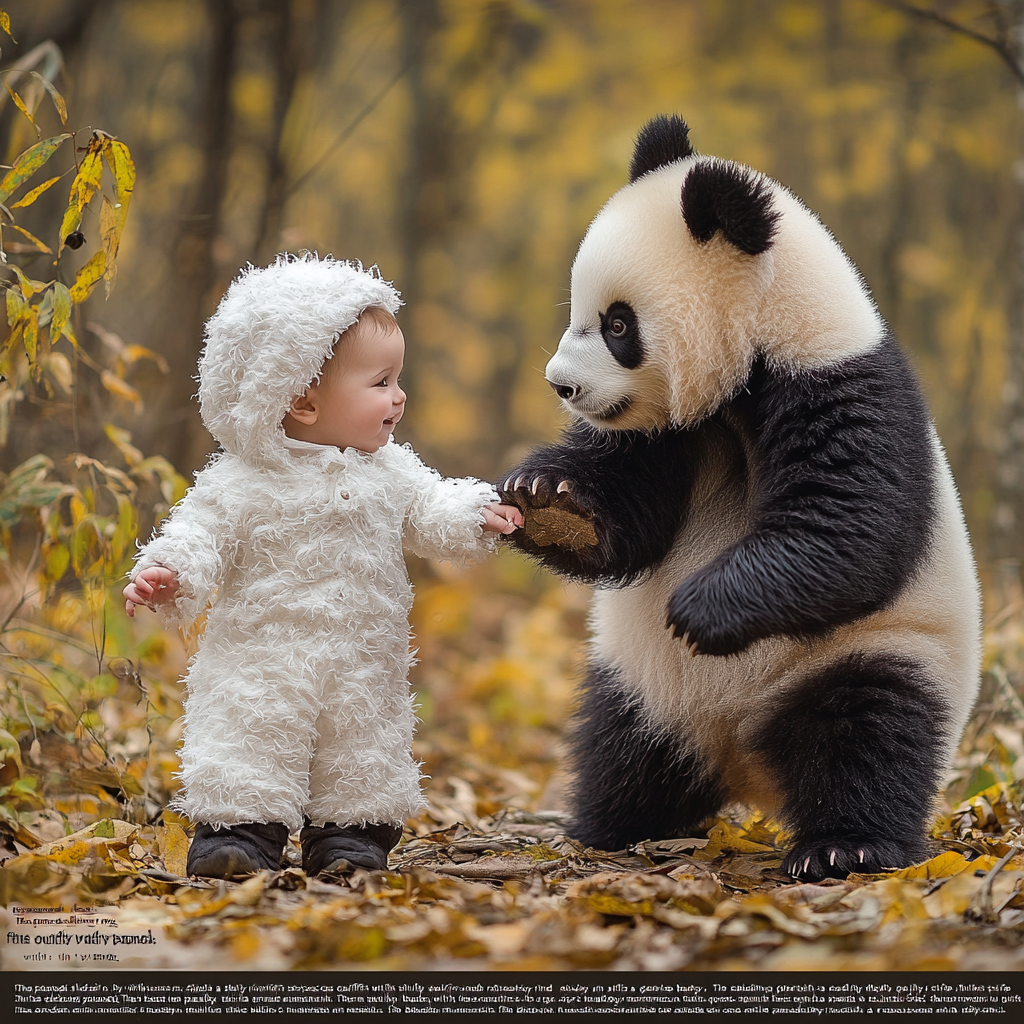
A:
(621, 330)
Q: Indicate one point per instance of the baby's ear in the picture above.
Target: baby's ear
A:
(304, 408)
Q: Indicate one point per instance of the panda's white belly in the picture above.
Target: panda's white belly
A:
(719, 703)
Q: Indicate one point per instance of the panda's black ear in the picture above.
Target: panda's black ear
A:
(661, 141)
(718, 195)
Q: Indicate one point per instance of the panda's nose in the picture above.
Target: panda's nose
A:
(566, 391)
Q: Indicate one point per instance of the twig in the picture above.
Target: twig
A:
(347, 133)
(998, 45)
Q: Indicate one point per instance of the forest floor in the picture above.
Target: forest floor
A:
(486, 877)
(510, 891)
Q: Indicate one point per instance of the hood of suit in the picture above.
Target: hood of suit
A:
(268, 341)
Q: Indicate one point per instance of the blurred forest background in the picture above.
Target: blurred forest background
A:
(463, 146)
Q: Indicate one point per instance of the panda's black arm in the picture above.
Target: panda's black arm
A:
(844, 476)
(633, 486)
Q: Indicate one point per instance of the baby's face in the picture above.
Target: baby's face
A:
(358, 401)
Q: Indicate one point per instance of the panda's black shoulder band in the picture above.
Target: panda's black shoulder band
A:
(718, 195)
(663, 140)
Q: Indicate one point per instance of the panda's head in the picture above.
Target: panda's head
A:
(687, 273)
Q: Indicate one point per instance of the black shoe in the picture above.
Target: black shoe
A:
(336, 849)
(236, 849)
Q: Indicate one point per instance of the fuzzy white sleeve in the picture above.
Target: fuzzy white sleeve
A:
(445, 517)
(191, 542)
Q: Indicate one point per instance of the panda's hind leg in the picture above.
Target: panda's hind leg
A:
(631, 781)
(858, 750)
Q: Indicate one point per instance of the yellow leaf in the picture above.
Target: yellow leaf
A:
(89, 276)
(87, 181)
(28, 163)
(17, 307)
(29, 287)
(109, 232)
(116, 386)
(20, 104)
(87, 548)
(607, 903)
(61, 310)
(72, 218)
(58, 100)
(119, 161)
(127, 527)
(943, 866)
(79, 509)
(5, 24)
(11, 345)
(30, 197)
(121, 439)
(83, 188)
(74, 853)
(175, 849)
(41, 246)
(56, 559)
(133, 353)
(726, 837)
(110, 235)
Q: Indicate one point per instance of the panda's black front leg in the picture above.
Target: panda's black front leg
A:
(857, 751)
(844, 471)
(631, 781)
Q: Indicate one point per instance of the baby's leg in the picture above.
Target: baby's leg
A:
(363, 780)
(362, 768)
(249, 730)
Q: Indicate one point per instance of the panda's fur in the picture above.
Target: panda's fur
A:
(787, 611)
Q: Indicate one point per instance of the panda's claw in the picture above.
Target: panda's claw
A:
(535, 485)
(807, 864)
(518, 483)
(831, 856)
(563, 487)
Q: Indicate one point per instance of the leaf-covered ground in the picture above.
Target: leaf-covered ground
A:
(512, 892)
(486, 877)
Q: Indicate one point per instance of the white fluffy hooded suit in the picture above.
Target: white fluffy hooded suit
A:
(298, 702)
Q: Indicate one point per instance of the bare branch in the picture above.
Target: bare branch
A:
(998, 45)
(346, 134)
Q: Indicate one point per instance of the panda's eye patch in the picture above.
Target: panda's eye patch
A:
(621, 333)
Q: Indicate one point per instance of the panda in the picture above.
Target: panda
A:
(786, 609)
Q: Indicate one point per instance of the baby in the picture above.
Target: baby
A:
(298, 712)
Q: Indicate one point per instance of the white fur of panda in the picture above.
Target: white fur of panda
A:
(787, 611)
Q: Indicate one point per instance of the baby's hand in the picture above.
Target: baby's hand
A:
(502, 518)
(152, 587)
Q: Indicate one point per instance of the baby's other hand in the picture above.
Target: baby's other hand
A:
(152, 587)
(502, 518)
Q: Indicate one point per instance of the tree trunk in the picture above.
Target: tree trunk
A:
(1008, 513)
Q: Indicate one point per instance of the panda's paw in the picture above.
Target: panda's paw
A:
(536, 490)
(837, 858)
(700, 632)
(555, 513)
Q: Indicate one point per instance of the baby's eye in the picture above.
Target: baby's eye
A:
(382, 383)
